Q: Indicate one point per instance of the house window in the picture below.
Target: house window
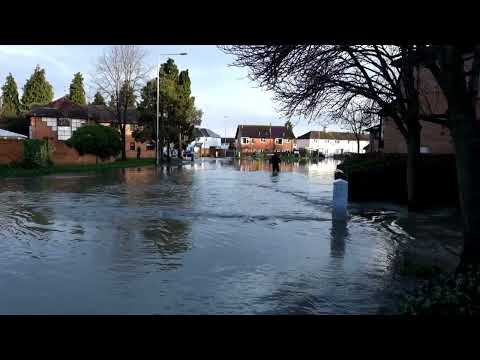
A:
(425, 150)
(262, 140)
(287, 141)
(150, 146)
(132, 146)
(337, 141)
(253, 140)
(278, 141)
(63, 122)
(245, 140)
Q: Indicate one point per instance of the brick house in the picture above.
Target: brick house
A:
(263, 138)
(60, 118)
(434, 138)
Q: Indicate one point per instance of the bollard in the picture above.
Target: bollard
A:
(340, 199)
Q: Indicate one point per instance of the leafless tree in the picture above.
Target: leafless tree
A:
(456, 70)
(356, 118)
(312, 79)
(121, 65)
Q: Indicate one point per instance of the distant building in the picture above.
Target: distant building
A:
(228, 143)
(331, 142)
(59, 119)
(205, 143)
(263, 138)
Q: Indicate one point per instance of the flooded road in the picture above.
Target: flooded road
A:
(214, 237)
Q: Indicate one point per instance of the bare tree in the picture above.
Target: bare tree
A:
(356, 118)
(312, 79)
(456, 70)
(121, 65)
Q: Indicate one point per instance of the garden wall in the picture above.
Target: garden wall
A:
(12, 150)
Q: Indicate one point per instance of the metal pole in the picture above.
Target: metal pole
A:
(158, 105)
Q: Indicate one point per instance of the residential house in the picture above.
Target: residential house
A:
(434, 138)
(263, 138)
(205, 143)
(331, 142)
(100, 114)
(228, 143)
(60, 118)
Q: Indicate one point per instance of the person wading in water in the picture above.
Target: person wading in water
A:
(275, 161)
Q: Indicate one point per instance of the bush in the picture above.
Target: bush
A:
(102, 141)
(36, 153)
(446, 294)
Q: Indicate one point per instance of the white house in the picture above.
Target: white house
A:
(205, 139)
(331, 143)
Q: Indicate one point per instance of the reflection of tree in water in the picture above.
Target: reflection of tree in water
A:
(170, 238)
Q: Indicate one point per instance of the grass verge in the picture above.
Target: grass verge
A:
(13, 171)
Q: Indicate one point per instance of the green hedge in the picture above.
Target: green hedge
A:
(383, 177)
(102, 141)
(36, 154)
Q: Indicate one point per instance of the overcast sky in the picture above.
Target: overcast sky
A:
(225, 95)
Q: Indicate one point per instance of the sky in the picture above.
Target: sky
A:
(224, 94)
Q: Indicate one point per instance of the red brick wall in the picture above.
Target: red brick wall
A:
(40, 129)
(64, 155)
(434, 136)
(256, 145)
(144, 153)
(61, 154)
(10, 150)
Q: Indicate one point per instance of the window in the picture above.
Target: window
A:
(245, 140)
(278, 141)
(253, 140)
(150, 146)
(132, 146)
(63, 122)
(425, 150)
(262, 140)
(337, 141)
(287, 141)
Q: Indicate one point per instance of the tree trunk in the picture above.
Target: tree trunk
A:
(466, 136)
(180, 145)
(124, 151)
(413, 146)
(358, 145)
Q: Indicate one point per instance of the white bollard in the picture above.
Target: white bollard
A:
(340, 199)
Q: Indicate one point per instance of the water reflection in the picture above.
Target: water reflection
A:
(205, 238)
(338, 235)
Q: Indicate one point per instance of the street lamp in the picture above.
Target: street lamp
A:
(158, 101)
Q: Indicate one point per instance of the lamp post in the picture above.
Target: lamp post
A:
(158, 103)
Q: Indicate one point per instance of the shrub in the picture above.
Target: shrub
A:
(446, 294)
(36, 153)
(102, 141)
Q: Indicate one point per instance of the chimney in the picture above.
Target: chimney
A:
(324, 129)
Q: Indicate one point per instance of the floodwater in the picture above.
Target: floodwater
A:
(213, 237)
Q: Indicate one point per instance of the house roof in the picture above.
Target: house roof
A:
(63, 107)
(265, 131)
(202, 132)
(11, 135)
(332, 135)
(101, 113)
